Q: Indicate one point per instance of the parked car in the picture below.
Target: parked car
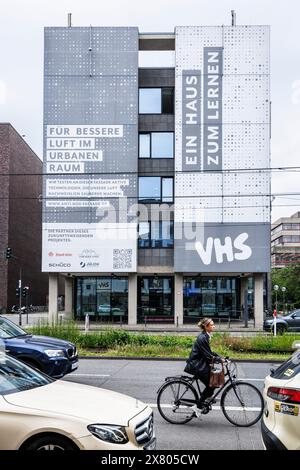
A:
(53, 356)
(104, 308)
(39, 413)
(289, 322)
(280, 425)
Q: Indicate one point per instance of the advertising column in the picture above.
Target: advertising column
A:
(90, 149)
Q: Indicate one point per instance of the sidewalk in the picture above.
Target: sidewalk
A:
(236, 327)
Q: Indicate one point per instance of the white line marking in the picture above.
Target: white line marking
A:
(252, 380)
(217, 408)
(89, 375)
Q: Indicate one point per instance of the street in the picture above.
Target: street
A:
(141, 379)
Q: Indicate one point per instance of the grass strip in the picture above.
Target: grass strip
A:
(119, 342)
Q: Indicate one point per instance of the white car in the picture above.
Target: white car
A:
(39, 413)
(281, 421)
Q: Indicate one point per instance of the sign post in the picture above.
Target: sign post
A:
(276, 287)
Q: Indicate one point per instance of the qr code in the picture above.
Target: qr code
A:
(122, 259)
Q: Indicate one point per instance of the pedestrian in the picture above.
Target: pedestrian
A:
(201, 357)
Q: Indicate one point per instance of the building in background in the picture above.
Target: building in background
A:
(188, 143)
(21, 226)
(285, 241)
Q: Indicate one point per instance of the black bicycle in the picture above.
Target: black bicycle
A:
(178, 399)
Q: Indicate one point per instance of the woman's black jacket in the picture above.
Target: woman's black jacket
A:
(201, 357)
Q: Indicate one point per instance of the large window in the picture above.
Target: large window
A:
(156, 100)
(104, 298)
(156, 145)
(209, 297)
(158, 234)
(155, 299)
(155, 189)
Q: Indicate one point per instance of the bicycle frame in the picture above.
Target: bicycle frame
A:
(191, 381)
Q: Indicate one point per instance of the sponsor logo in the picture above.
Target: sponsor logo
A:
(63, 254)
(88, 254)
(226, 249)
(89, 264)
(59, 265)
(50, 253)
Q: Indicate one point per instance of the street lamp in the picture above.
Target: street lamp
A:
(283, 290)
(276, 288)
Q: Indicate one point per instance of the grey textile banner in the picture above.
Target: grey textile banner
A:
(191, 120)
(212, 108)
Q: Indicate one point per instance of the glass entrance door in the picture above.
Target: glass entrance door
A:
(155, 299)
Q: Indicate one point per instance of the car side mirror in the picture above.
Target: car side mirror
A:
(293, 315)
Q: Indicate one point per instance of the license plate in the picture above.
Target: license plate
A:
(151, 445)
(74, 365)
(284, 408)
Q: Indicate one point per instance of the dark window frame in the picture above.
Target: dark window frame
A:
(150, 240)
(150, 150)
(160, 200)
(161, 99)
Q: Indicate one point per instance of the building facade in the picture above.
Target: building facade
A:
(156, 186)
(21, 226)
(285, 241)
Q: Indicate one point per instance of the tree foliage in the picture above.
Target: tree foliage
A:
(288, 277)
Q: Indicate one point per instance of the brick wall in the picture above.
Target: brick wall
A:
(22, 227)
(4, 189)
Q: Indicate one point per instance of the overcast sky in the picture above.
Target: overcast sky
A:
(21, 61)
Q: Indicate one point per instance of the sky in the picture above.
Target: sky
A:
(21, 64)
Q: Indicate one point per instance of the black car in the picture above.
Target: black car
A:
(53, 356)
(290, 322)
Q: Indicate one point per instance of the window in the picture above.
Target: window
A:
(158, 234)
(156, 145)
(150, 101)
(155, 189)
(291, 226)
(156, 100)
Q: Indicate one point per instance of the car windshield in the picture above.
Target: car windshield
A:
(8, 329)
(17, 377)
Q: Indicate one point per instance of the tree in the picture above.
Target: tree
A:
(288, 277)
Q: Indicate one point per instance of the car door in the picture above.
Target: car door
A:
(296, 321)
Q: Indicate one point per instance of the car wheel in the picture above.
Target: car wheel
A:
(50, 442)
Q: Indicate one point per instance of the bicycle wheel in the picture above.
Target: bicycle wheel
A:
(242, 404)
(175, 400)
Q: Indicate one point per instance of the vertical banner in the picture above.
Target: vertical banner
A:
(90, 149)
(191, 120)
(222, 122)
(212, 108)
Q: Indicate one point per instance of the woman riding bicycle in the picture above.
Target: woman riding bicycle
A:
(201, 357)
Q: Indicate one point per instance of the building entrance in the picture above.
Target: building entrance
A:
(155, 299)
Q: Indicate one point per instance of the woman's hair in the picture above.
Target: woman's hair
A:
(203, 323)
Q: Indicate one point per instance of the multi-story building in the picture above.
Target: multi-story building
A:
(156, 186)
(285, 241)
(21, 225)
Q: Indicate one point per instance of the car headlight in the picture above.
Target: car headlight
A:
(109, 433)
(54, 352)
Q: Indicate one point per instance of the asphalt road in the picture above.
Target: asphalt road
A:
(141, 379)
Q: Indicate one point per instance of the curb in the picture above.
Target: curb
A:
(179, 359)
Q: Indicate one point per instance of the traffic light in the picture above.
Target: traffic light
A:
(25, 291)
(18, 292)
(8, 253)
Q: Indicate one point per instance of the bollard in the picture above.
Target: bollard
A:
(87, 323)
(145, 321)
(177, 321)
